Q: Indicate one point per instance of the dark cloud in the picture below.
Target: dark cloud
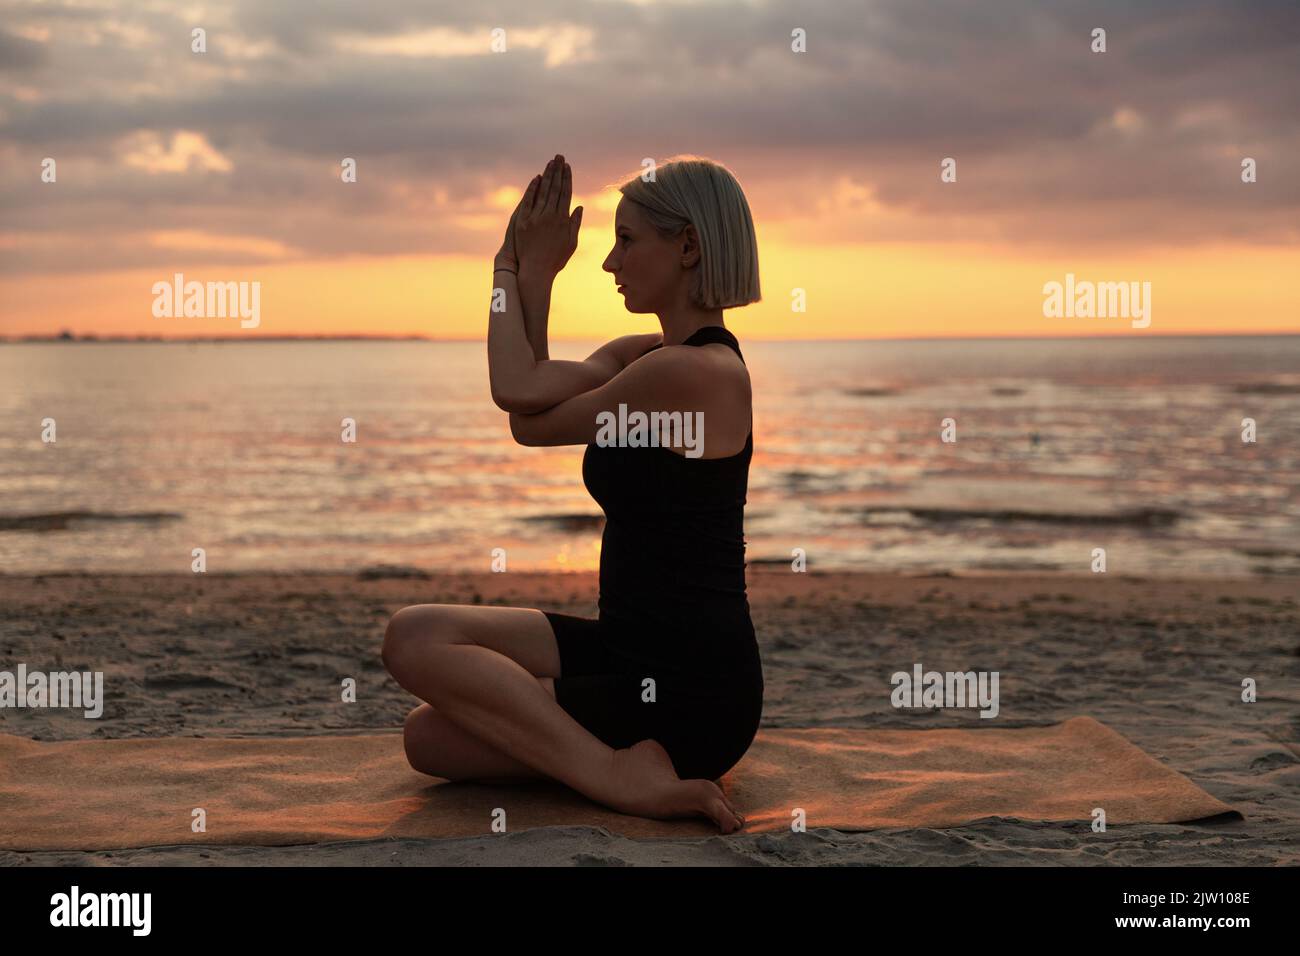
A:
(21, 55)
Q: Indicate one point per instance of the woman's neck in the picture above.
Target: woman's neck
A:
(678, 328)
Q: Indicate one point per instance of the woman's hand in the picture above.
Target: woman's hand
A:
(545, 235)
(507, 257)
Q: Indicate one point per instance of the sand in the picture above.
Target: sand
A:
(1160, 661)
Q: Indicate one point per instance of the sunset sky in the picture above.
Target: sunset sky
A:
(225, 165)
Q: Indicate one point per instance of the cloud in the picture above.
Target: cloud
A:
(23, 52)
(187, 150)
(1055, 145)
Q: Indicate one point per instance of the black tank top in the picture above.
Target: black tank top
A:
(672, 558)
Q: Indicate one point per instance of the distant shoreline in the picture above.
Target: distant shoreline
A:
(161, 340)
(139, 339)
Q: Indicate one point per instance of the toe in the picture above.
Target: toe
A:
(731, 807)
(726, 819)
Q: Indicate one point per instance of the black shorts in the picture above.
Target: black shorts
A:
(706, 723)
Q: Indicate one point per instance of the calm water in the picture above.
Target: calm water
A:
(1129, 444)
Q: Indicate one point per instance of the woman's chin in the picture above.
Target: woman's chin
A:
(635, 306)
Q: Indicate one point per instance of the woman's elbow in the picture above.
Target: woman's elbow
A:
(503, 399)
(521, 431)
(515, 401)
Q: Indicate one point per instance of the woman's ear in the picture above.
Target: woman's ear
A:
(690, 246)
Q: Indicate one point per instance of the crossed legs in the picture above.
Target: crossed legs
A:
(487, 677)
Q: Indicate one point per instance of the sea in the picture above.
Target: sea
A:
(1140, 455)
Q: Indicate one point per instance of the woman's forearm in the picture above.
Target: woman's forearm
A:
(511, 357)
(522, 383)
(535, 299)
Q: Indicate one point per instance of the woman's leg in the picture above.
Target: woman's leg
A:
(522, 634)
(434, 652)
(466, 662)
(439, 746)
(442, 748)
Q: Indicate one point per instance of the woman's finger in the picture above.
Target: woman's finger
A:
(530, 196)
(541, 188)
(576, 220)
(546, 194)
(566, 190)
(539, 195)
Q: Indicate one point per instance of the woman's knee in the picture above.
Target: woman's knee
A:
(412, 626)
(416, 737)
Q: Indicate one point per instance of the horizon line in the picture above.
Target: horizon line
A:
(157, 339)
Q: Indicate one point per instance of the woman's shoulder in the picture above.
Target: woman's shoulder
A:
(725, 367)
(707, 366)
(626, 349)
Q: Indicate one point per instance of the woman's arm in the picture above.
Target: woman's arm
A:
(542, 237)
(672, 380)
(535, 297)
(555, 380)
(511, 362)
(519, 370)
(539, 240)
(522, 384)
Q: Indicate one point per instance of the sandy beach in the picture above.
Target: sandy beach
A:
(1159, 661)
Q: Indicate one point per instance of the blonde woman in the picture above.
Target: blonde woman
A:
(645, 707)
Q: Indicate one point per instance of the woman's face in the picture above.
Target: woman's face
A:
(647, 266)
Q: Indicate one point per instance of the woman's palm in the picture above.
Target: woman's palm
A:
(545, 234)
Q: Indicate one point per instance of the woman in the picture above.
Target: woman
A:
(644, 708)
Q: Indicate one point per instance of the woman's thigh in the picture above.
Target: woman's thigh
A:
(522, 634)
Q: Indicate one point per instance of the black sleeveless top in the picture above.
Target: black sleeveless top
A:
(672, 558)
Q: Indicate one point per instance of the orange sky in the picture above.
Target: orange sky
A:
(888, 290)
(224, 165)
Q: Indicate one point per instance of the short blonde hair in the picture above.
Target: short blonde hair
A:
(695, 190)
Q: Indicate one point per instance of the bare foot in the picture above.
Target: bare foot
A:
(645, 784)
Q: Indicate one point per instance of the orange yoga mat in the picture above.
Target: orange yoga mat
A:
(274, 791)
